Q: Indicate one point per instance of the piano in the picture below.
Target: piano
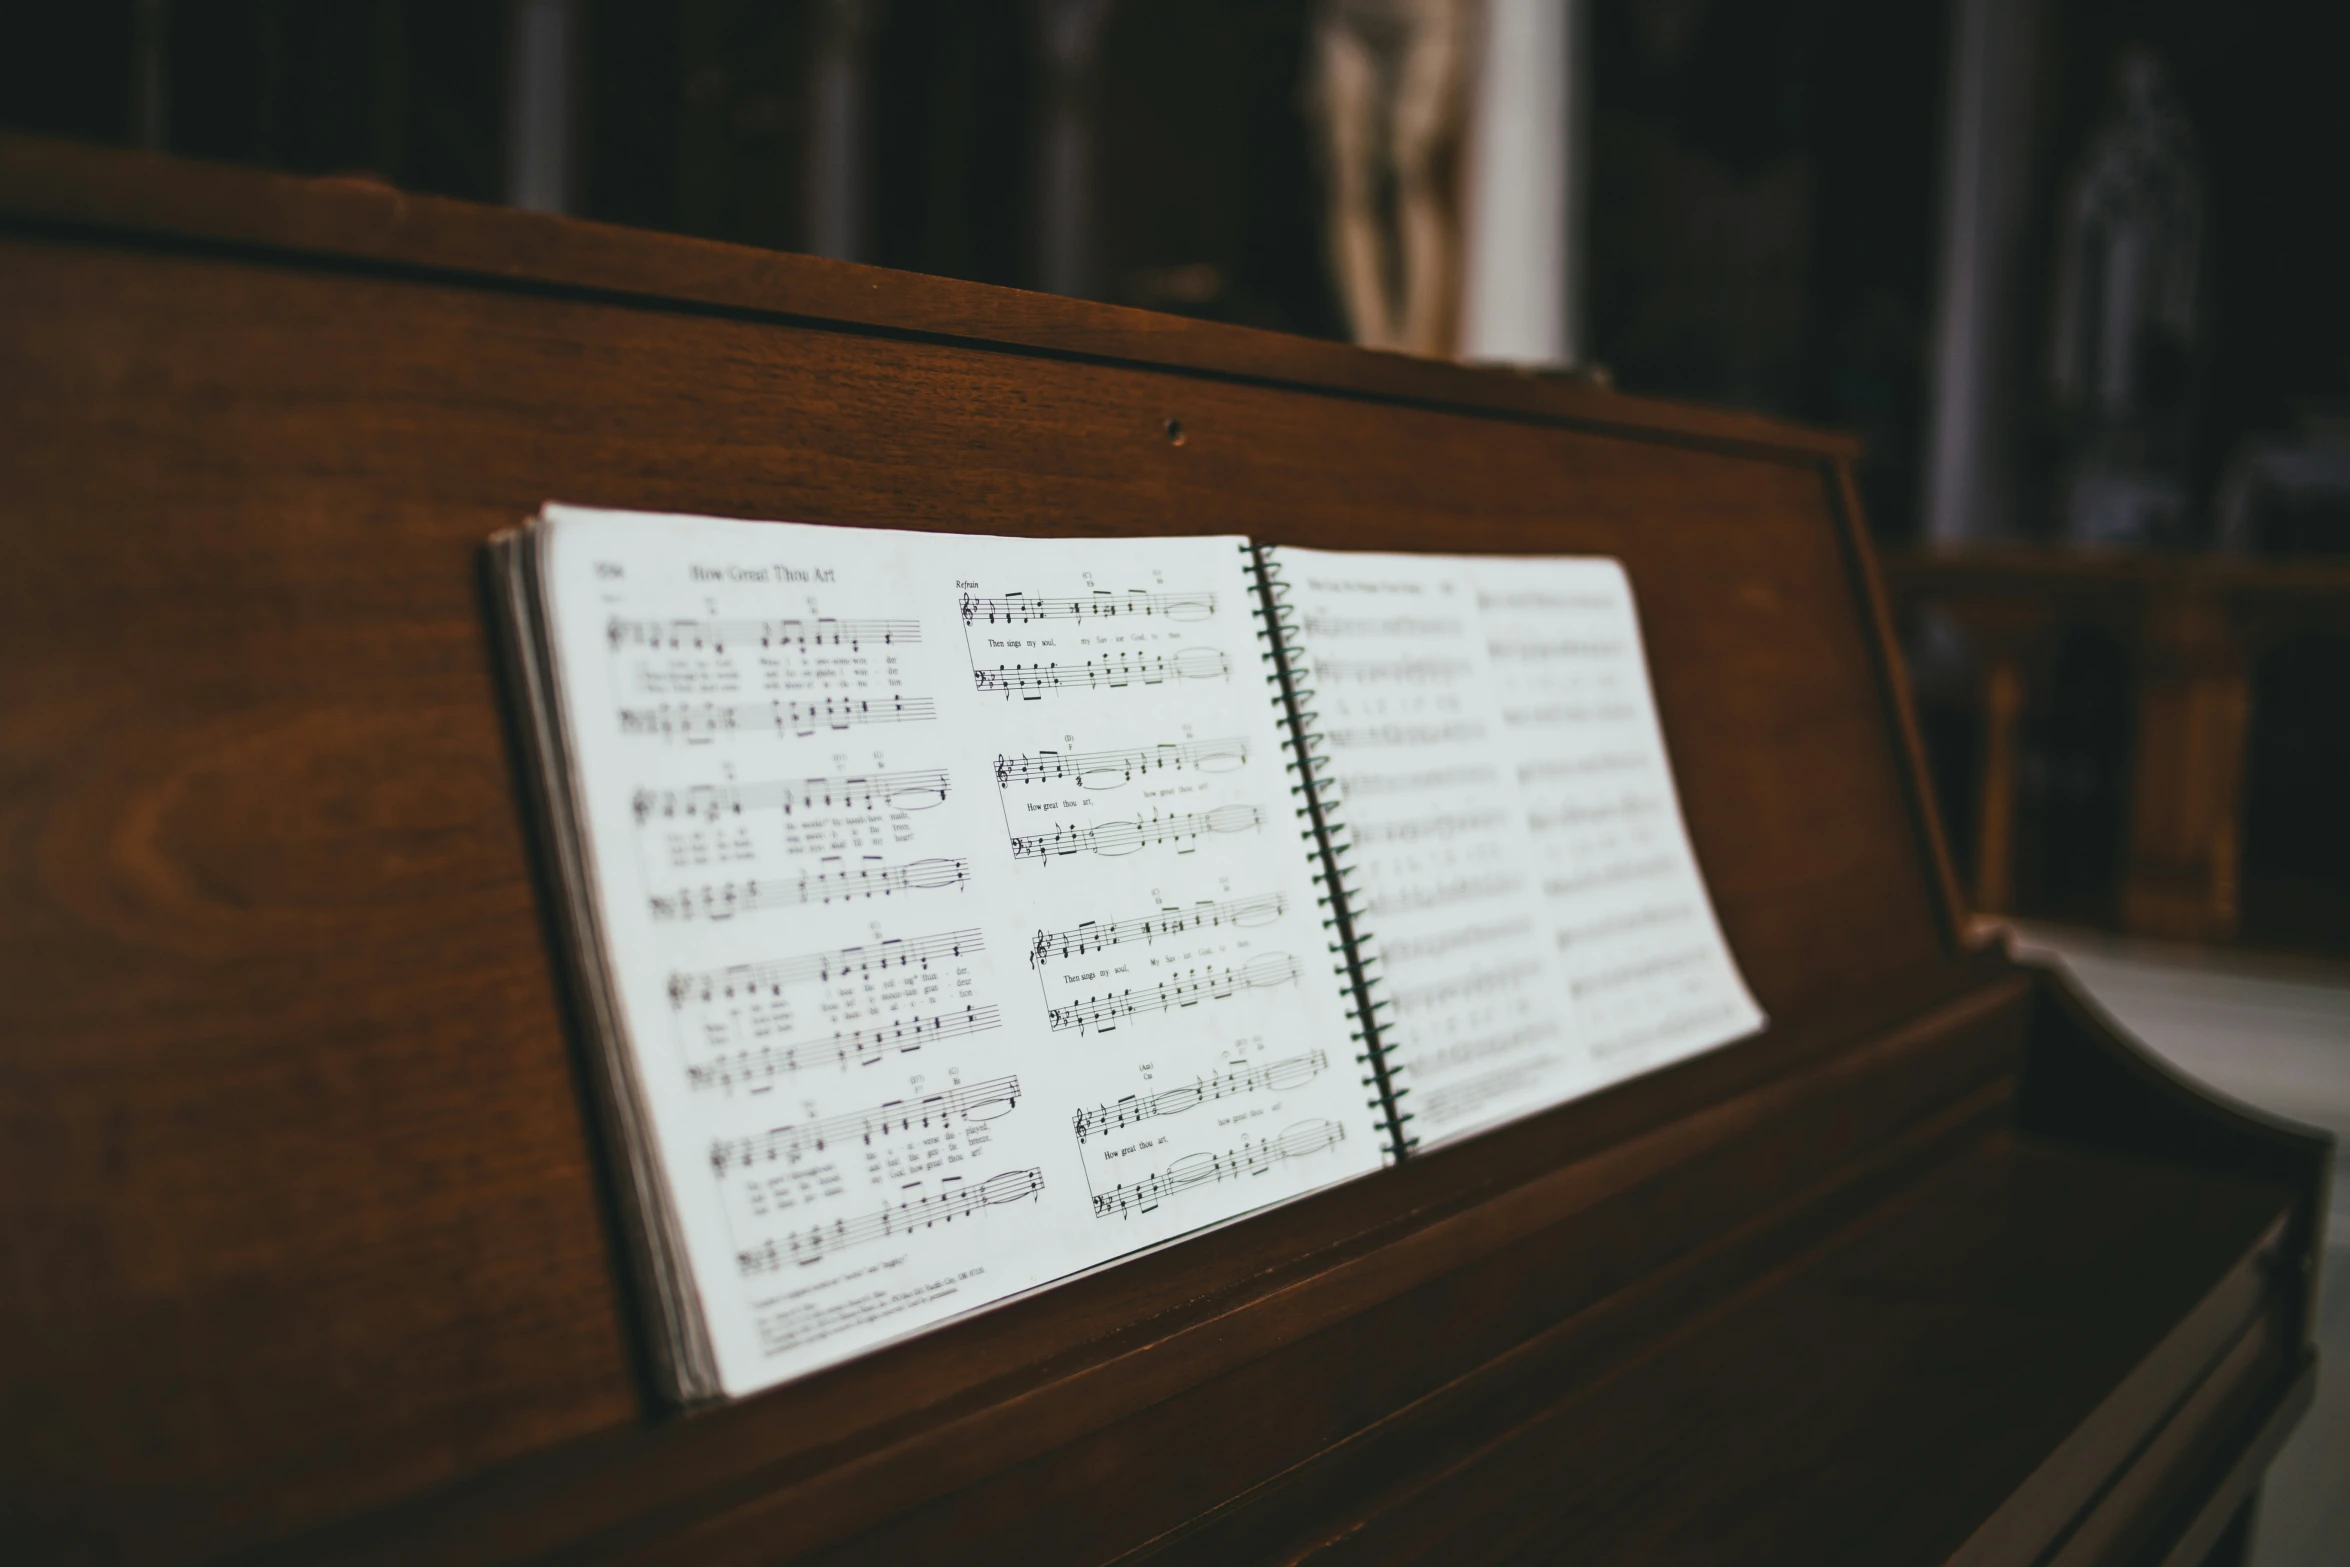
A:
(310, 1241)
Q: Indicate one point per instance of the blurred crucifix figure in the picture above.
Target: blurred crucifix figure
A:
(1389, 92)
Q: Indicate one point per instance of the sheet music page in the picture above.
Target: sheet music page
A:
(962, 929)
(1477, 1010)
(1652, 977)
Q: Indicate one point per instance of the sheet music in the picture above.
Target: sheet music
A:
(1645, 961)
(1477, 1010)
(963, 931)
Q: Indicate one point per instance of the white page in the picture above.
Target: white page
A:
(1477, 1011)
(860, 915)
(1652, 978)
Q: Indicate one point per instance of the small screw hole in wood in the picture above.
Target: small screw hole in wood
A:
(1175, 432)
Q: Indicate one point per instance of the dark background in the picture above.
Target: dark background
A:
(1765, 174)
(1765, 189)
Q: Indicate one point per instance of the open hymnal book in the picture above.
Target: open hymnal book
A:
(953, 914)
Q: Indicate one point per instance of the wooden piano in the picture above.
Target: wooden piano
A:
(309, 1245)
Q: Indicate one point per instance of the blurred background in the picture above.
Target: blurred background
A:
(2076, 271)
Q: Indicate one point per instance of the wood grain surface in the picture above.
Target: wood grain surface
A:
(1867, 1399)
(308, 1250)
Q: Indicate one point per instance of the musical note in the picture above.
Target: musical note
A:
(1443, 894)
(1367, 672)
(908, 791)
(1365, 785)
(1558, 713)
(716, 636)
(1253, 1157)
(1406, 734)
(1622, 870)
(1625, 807)
(873, 881)
(1017, 609)
(1110, 669)
(1461, 987)
(1116, 838)
(1552, 602)
(974, 1102)
(1552, 769)
(1451, 938)
(813, 1245)
(1092, 937)
(1099, 1013)
(1436, 1063)
(1387, 629)
(1457, 1099)
(750, 979)
(1293, 1072)
(1113, 769)
(863, 1046)
(1533, 652)
(1434, 827)
(1639, 969)
(690, 720)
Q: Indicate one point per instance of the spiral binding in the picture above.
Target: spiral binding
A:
(1327, 843)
